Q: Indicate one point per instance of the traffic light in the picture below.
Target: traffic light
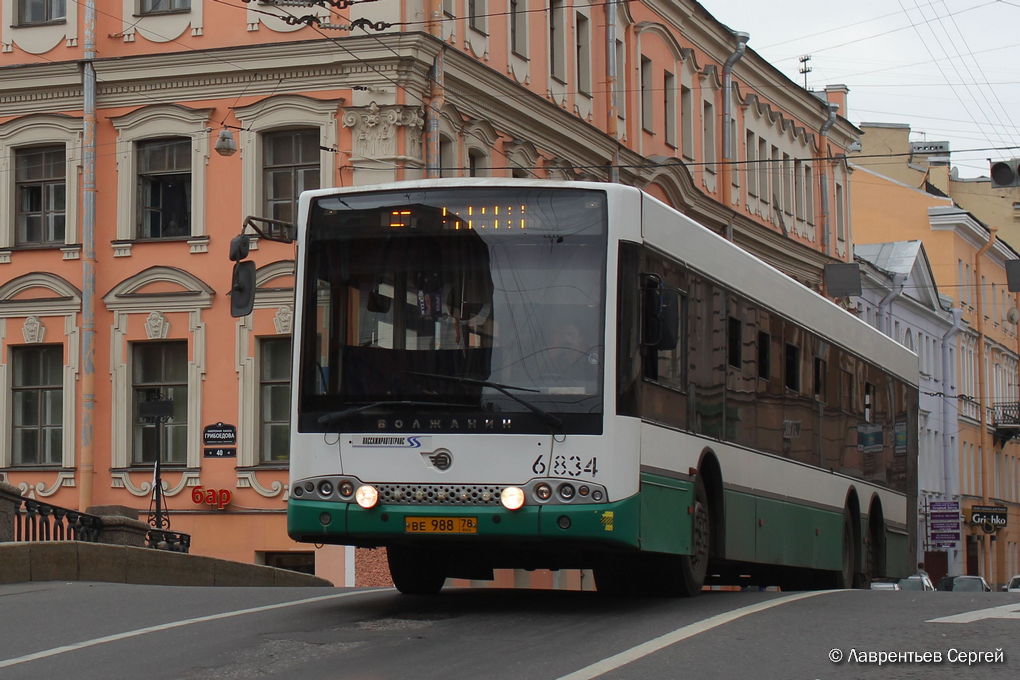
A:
(1005, 173)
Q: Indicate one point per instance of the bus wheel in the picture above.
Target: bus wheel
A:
(415, 571)
(694, 567)
(845, 576)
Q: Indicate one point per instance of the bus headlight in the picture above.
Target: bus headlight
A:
(366, 496)
(512, 498)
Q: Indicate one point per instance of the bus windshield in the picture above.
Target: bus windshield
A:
(452, 305)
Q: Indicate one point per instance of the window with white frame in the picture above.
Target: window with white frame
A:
(274, 399)
(763, 171)
(647, 112)
(476, 15)
(557, 41)
(840, 208)
(687, 121)
(37, 402)
(290, 165)
(809, 194)
(751, 149)
(40, 194)
(519, 27)
(164, 188)
(161, 6)
(160, 374)
(34, 12)
(708, 134)
(478, 163)
(669, 106)
(582, 52)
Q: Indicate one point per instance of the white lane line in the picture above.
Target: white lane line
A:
(1006, 611)
(644, 649)
(174, 624)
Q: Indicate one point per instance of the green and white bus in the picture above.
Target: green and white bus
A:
(500, 373)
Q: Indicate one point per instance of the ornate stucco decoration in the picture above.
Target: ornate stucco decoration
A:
(33, 331)
(156, 326)
(375, 129)
(284, 319)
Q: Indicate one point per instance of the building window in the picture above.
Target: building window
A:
(447, 163)
(840, 214)
(647, 114)
(787, 184)
(274, 399)
(37, 404)
(809, 195)
(31, 12)
(164, 188)
(448, 7)
(478, 163)
(763, 170)
(752, 177)
(303, 561)
(290, 166)
(519, 27)
(582, 36)
(708, 134)
(669, 107)
(160, 374)
(160, 6)
(476, 15)
(798, 189)
(687, 121)
(40, 188)
(557, 40)
(620, 94)
(869, 402)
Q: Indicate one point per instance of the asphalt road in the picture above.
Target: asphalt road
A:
(109, 631)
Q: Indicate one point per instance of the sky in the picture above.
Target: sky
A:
(947, 68)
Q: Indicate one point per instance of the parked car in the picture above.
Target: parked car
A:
(917, 582)
(885, 585)
(945, 583)
(971, 584)
(1013, 586)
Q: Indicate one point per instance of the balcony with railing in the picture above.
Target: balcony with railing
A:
(1006, 421)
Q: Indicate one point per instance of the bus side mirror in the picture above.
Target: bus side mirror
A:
(242, 289)
(239, 248)
(661, 322)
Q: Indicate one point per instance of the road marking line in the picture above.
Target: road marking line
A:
(1006, 611)
(173, 624)
(644, 649)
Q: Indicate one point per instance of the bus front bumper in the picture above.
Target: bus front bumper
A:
(612, 524)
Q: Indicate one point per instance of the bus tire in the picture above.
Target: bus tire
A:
(693, 568)
(845, 576)
(415, 571)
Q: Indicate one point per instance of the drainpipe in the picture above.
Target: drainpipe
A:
(823, 181)
(86, 451)
(727, 132)
(987, 452)
(884, 310)
(436, 94)
(949, 458)
(611, 84)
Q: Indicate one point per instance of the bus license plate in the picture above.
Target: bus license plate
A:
(441, 525)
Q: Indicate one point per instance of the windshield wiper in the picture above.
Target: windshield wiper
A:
(545, 416)
(336, 416)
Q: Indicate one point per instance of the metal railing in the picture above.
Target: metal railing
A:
(1006, 414)
(162, 539)
(38, 521)
(28, 519)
